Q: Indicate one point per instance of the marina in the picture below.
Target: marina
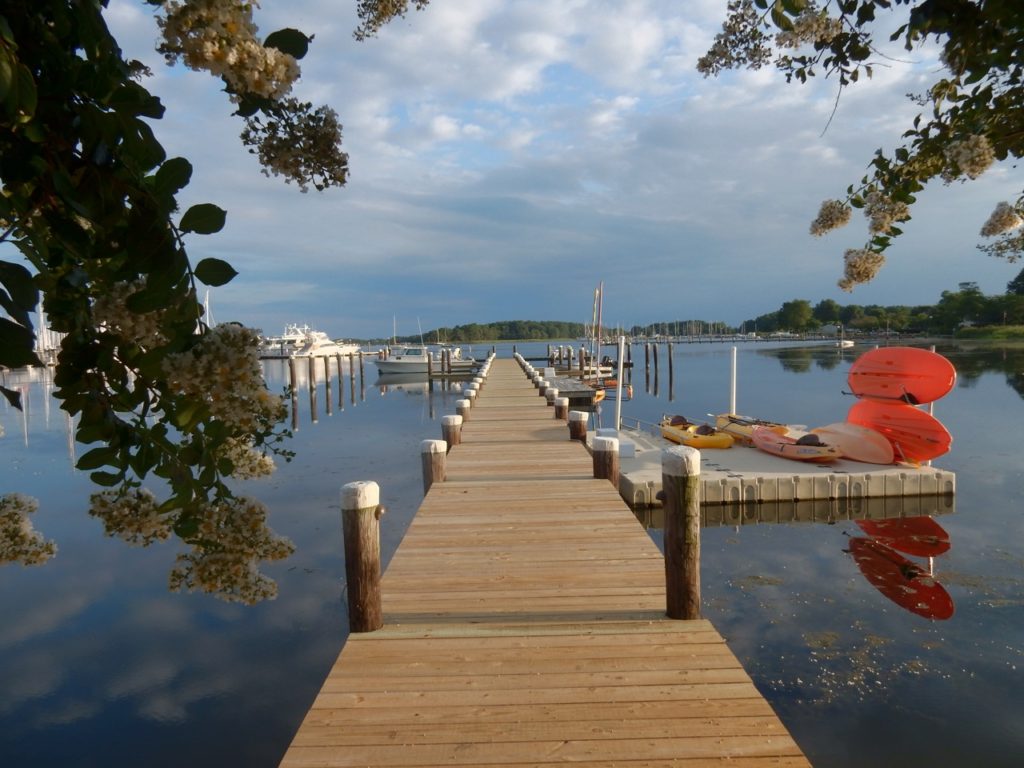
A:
(96, 644)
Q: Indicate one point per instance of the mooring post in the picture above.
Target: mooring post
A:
(680, 482)
(606, 459)
(451, 430)
(462, 409)
(551, 395)
(293, 384)
(562, 408)
(578, 425)
(433, 454)
(360, 520)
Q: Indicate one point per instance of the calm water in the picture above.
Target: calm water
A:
(101, 665)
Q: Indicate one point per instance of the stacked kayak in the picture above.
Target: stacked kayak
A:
(679, 430)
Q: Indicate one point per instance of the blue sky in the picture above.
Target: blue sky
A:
(507, 156)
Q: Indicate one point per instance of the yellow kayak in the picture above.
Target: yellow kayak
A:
(679, 430)
(742, 427)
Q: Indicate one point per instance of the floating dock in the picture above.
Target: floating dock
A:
(524, 624)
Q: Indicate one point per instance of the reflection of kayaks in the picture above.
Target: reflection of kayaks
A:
(679, 430)
(915, 435)
(739, 427)
(792, 444)
(919, 536)
(857, 442)
(902, 581)
(913, 375)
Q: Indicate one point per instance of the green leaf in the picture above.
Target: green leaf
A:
(215, 272)
(289, 40)
(14, 398)
(107, 479)
(173, 175)
(16, 345)
(97, 457)
(203, 219)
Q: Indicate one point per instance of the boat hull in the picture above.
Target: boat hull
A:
(782, 442)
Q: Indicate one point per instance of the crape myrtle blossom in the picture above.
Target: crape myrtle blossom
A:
(219, 36)
(223, 370)
(110, 310)
(19, 541)
(131, 515)
(832, 215)
(861, 265)
(247, 462)
(1003, 219)
(232, 537)
(883, 212)
(971, 156)
(812, 26)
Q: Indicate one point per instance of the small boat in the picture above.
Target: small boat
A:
(740, 427)
(612, 390)
(419, 359)
(793, 444)
(678, 429)
(303, 341)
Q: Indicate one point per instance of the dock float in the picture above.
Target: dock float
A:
(524, 624)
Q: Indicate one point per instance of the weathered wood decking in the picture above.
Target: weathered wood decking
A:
(524, 625)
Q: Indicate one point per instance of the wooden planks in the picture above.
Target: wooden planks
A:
(524, 625)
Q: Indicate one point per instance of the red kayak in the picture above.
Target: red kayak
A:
(915, 435)
(905, 583)
(907, 374)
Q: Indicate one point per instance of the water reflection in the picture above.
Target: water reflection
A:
(906, 583)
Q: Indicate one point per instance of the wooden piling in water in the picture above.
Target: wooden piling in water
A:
(606, 459)
(293, 386)
(433, 454)
(360, 516)
(680, 482)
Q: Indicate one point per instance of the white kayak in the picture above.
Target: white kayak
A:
(857, 442)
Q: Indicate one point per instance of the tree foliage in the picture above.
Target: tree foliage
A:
(89, 199)
(972, 114)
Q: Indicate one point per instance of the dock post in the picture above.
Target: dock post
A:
(433, 453)
(292, 376)
(606, 459)
(360, 518)
(578, 425)
(680, 479)
(551, 394)
(562, 408)
(451, 430)
(462, 409)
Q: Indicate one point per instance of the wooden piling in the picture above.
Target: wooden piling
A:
(293, 386)
(451, 430)
(433, 454)
(462, 409)
(578, 425)
(360, 516)
(562, 408)
(551, 395)
(680, 481)
(606, 459)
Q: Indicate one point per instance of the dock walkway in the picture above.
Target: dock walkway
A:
(525, 625)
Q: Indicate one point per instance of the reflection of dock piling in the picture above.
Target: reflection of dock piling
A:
(524, 622)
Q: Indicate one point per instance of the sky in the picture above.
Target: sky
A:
(506, 157)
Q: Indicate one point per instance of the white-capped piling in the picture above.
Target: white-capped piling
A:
(433, 454)
(680, 482)
(451, 429)
(462, 409)
(360, 520)
(578, 425)
(606, 459)
(562, 408)
(551, 394)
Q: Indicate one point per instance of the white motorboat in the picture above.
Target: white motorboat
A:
(419, 359)
(303, 341)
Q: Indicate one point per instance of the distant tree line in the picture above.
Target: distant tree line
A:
(965, 307)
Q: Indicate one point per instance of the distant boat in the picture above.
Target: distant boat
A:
(303, 341)
(419, 359)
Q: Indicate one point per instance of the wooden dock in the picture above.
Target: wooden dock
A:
(525, 625)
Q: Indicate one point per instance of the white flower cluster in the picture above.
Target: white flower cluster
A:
(223, 370)
(247, 461)
(811, 26)
(220, 36)
(971, 156)
(131, 515)
(832, 215)
(111, 312)
(19, 541)
(883, 212)
(861, 267)
(232, 539)
(1003, 219)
